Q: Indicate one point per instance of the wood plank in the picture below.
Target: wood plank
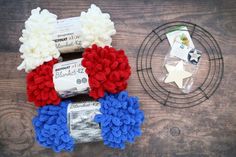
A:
(133, 20)
(208, 129)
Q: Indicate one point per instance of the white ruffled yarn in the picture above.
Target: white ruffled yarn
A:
(37, 37)
(37, 43)
(96, 28)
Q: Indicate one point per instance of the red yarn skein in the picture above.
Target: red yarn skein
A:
(40, 86)
(108, 70)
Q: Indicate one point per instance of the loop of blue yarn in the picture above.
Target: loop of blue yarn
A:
(120, 119)
(51, 127)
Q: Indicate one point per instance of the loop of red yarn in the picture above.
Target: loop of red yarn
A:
(40, 86)
(108, 70)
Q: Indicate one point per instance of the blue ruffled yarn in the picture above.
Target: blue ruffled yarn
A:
(51, 127)
(120, 119)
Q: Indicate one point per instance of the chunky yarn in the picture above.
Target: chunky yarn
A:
(120, 119)
(40, 86)
(51, 127)
(108, 70)
(96, 27)
(37, 40)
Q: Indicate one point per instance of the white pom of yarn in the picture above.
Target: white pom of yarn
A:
(37, 43)
(96, 28)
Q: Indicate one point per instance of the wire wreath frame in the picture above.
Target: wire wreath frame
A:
(165, 96)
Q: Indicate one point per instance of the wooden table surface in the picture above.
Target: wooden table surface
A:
(208, 129)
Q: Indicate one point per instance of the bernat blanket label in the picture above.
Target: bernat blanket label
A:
(70, 78)
(80, 121)
(66, 35)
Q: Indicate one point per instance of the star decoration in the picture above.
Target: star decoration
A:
(177, 74)
(194, 56)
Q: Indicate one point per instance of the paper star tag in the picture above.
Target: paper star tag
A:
(177, 74)
(194, 56)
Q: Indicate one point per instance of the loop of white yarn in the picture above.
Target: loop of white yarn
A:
(96, 28)
(37, 43)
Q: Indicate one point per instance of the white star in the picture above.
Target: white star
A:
(194, 56)
(177, 74)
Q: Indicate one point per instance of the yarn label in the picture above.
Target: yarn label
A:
(81, 123)
(66, 35)
(180, 50)
(181, 35)
(186, 53)
(70, 78)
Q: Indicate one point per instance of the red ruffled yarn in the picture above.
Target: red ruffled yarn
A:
(40, 86)
(108, 70)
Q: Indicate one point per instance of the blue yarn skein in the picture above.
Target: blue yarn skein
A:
(51, 127)
(120, 119)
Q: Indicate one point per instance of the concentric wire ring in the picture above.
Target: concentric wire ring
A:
(156, 89)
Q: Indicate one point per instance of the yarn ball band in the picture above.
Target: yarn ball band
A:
(107, 68)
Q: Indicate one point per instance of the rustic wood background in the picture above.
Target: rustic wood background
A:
(208, 129)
